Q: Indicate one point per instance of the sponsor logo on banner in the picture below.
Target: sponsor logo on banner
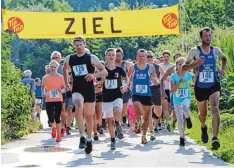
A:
(15, 24)
(170, 21)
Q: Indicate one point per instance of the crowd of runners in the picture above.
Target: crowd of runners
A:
(145, 94)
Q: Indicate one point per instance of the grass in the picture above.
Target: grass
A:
(226, 136)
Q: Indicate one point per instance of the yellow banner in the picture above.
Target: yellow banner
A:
(47, 25)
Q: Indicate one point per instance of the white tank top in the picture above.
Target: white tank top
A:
(167, 84)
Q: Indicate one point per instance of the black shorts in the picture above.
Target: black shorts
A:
(99, 97)
(167, 91)
(156, 95)
(73, 109)
(64, 97)
(89, 96)
(144, 100)
(126, 96)
(203, 94)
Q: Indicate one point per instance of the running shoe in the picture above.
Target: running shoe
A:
(204, 135)
(182, 142)
(152, 136)
(215, 143)
(143, 140)
(189, 123)
(82, 142)
(138, 128)
(58, 139)
(68, 130)
(89, 147)
(95, 137)
(62, 132)
(53, 133)
(112, 147)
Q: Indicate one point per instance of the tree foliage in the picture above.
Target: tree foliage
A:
(15, 110)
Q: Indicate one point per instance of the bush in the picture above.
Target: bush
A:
(16, 110)
(227, 120)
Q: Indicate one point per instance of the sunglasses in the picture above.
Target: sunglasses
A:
(149, 56)
(55, 58)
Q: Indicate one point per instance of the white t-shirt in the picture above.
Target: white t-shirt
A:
(167, 84)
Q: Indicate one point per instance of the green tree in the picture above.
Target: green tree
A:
(15, 110)
(210, 12)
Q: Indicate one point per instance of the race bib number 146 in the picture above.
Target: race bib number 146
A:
(206, 77)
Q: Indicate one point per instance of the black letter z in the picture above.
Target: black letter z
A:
(72, 20)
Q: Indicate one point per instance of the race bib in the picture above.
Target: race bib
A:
(182, 93)
(80, 70)
(111, 84)
(141, 88)
(38, 101)
(54, 94)
(206, 77)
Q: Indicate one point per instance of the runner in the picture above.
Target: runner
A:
(69, 105)
(28, 81)
(161, 59)
(165, 88)
(207, 86)
(83, 93)
(112, 95)
(168, 72)
(141, 75)
(47, 69)
(56, 55)
(53, 84)
(127, 95)
(38, 93)
(156, 96)
(98, 107)
(180, 86)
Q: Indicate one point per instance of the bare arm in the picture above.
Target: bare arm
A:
(167, 73)
(154, 78)
(188, 66)
(130, 72)
(223, 59)
(174, 87)
(102, 72)
(128, 65)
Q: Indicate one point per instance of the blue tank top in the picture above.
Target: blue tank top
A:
(141, 81)
(207, 73)
(38, 91)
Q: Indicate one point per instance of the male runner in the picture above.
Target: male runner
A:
(156, 95)
(207, 86)
(83, 92)
(141, 75)
(165, 88)
(127, 95)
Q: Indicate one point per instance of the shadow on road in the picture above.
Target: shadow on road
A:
(207, 158)
(87, 160)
